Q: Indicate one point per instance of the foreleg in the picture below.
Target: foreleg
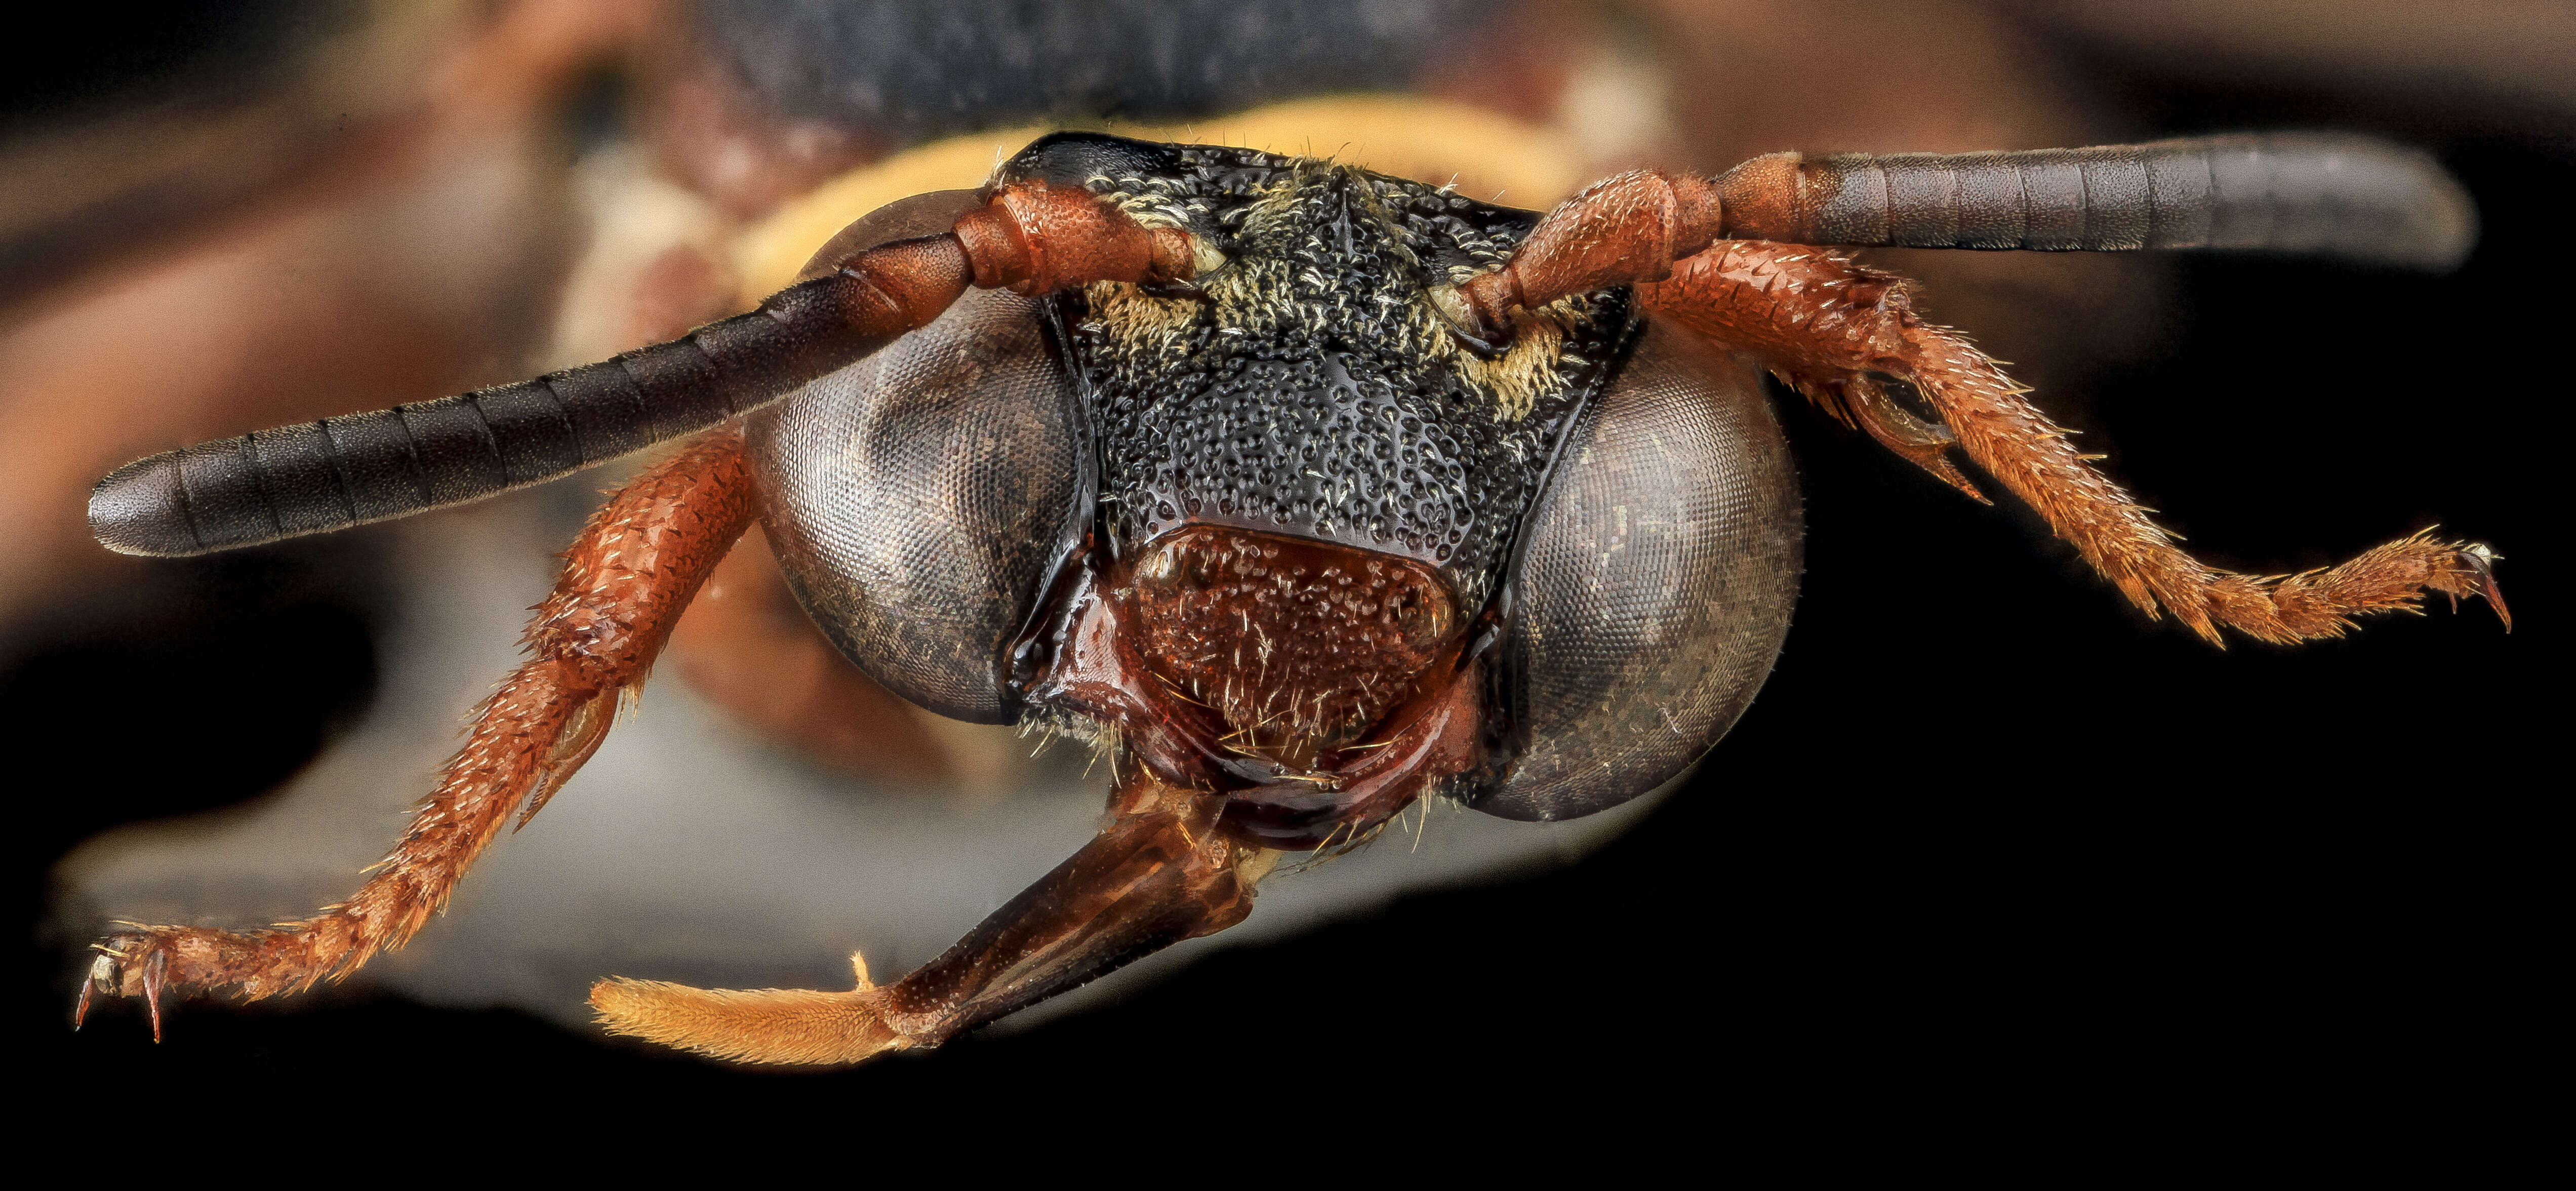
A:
(1173, 864)
(625, 582)
(1830, 328)
(1164, 870)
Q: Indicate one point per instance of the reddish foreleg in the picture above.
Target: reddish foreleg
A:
(625, 582)
(1832, 329)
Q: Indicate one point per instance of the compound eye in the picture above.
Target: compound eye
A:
(920, 561)
(1655, 584)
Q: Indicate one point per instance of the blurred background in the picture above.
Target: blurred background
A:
(1989, 842)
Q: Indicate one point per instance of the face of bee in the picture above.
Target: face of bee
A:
(1265, 523)
(1313, 481)
(1310, 385)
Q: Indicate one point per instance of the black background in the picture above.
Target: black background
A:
(1991, 851)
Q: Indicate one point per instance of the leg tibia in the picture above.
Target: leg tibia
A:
(2019, 447)
(767, 1025)
(1163, 871)
(624, 583)
(1826, 325)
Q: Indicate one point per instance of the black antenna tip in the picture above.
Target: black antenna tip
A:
(142, 508)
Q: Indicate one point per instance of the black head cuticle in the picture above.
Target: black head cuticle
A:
(1313, 388)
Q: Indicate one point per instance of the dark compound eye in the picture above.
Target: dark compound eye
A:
(919, 500)
(1654, 587)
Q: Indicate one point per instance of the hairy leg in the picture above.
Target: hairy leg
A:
(1164, 870)
(624, 583)
(1831, 329)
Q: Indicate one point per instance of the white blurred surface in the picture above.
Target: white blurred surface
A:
(687, 849)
